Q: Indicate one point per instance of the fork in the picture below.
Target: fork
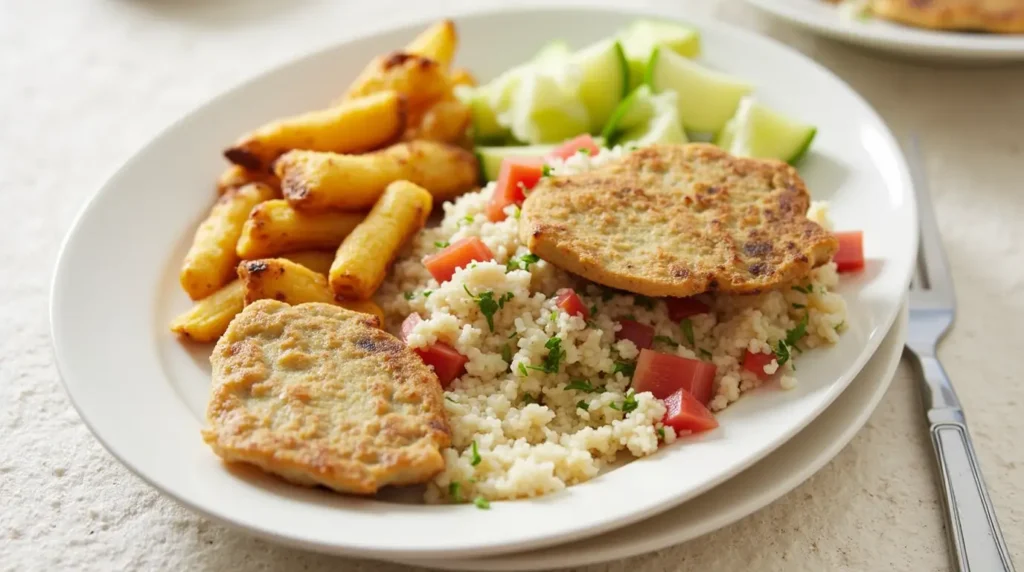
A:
(977, 543)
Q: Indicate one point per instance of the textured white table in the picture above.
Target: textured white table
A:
(84, 84)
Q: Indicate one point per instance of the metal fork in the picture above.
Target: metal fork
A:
(977, 543)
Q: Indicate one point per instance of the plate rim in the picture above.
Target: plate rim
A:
(904, 39)
(57, 294)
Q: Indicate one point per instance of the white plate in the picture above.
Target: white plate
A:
(143, 393)
(827, 19)
(751, 490)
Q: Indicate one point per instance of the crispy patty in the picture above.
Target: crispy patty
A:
(678, 220)
(1002, 16)
(316, 394)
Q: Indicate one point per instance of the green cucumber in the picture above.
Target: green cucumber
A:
(490, 158)
(707, 99)
(603, 76)
(636, 109)
(642, 36)
(662, 127)
(553, 53)
(761, 132)
(484, 120)
(544, 109)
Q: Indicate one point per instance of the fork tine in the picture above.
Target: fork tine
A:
(935, 269)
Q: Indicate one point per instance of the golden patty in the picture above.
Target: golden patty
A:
(317, 394)
(1002, 16)
(678, 220)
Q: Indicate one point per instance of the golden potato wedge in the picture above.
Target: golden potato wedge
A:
(420, 80)
(275, 227)
(211, 260)
(235, 176)
(447, 121)
(363, 258)
(314, 181)
(437, 42)
(358, 125)
(462, 76)
(208, 319)
(284, 280)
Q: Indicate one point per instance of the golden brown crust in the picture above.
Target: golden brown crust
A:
(678, 220)
(316, 394)
(1000, 16)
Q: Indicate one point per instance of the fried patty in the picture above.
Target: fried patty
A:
(678, 220)
(1001, 16)
(318, 395)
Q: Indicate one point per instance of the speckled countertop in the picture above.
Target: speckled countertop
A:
(86, 83)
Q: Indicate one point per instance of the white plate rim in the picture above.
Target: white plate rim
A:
(606, 548)
(59, 291)
(897, 37)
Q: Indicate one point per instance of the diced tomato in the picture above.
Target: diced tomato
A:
(641, 335)
(686, 414)
(516, 176)
(662, 374)
(408, 324)
(850, 256)
(448, 364)
(570, 302)
(681, 308)
(459, 254)
(573, 146)
(754, 363)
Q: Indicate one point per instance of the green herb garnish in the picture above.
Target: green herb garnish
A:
(450, 399)
(555, 355)
(799, 306)
(583, 151)
(453, 491)
(625, 368)
(582, 405)
(687, 327)
(661, 433)
(516, 212)
(581, 385)
(474, 458)
(521, 262)
(488, 305)
(666, 340)
(799, 331)
(441, 243)
(522, 370)
(409, 295)
(839, 326)
(704, 353)
(805, 289)
(506, 353)
(529, 398)
(545, 171)
(782, 352)
(593, 309)
(628, 404)
(427, 293)
(468, 219)
(482, 503)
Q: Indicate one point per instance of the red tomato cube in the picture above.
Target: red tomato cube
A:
(754, 363)
(408, 324)
(686, 414)
(641, 335)
(459, 254)
(662, 374)
(570, 303)
(516, 176)
(448, 364)
(573, 146)
(850, 256)
(682, 308)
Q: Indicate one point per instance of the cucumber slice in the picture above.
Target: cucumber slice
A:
(603, 80)
(553, 53)
(707, 99)
(490, 158)
(636, 109)
(758, 131)
(484, 119)
(642, 36)
(545, 110)
(662, 126)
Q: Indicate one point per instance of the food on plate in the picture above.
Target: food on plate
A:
(275, 227)
(313, 181)
(758, 131)
(437, 42)
(318, 395)
(354, 126)
(235, 176)
(421, 81)
(998, 16)
(705, 98)
(678, 220)
(446, 121)
(211, 260)
(462, 76)
(364, 256)
(642, 37)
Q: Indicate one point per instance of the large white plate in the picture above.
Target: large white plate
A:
(827, 19)
(143, 393)
(751, 490)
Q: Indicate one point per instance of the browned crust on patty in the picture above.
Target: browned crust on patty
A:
(317, 395)
(678, 220)
(1000, 16)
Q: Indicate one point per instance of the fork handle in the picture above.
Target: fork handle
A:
(970, 520)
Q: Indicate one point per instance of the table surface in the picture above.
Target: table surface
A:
(87, 84)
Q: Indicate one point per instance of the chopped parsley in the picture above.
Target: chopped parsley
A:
(506, 353)
(516, 212)
(468, 219)
(427, 293)
(666, 340)
(453, 491)
(628, 404)
(450, 399)
(782, 353)
(661, 433)
(583, 151)
(839, 326)
(488, 305)
(799, 331)
(799, 306)
(704, 353)
(593, 309)
(687, 327)
(582, 405)
(512, 335)
(644, 302)
(625, 368)
(522, 370)
(529, 398)
(582, 385)
(555, 355)
(554, 315)
(805, 289)
(409, 295)
(441, 243)
(474, 458)
(482, 503)
(521, 262)
(545, 171)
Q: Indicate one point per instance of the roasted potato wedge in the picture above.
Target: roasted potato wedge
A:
(211, 260)
(363, 258)
(447, 121)
(437, 42)
(462, 76)
(358, 125)
(318, 261)
(317, 181)
(420, 80)
(284, 280)
(235, 176)
(275, 227)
